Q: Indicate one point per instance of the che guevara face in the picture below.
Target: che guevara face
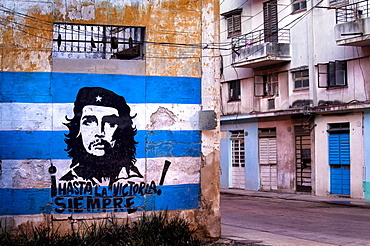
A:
(97, 126)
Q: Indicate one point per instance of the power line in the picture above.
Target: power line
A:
(200, 45)
(26, 32)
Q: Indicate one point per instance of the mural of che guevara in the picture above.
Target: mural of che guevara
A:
(101, 138)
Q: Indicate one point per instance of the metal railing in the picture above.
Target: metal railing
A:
(260, 37)
(352, 12)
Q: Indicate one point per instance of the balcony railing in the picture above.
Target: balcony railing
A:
(352, 12)
(260, 37)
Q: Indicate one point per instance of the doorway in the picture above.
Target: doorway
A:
(237, 159)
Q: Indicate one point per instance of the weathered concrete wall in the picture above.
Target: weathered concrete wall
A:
(177, 164)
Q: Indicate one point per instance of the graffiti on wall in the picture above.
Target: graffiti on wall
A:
(101, 142)
(40, 172)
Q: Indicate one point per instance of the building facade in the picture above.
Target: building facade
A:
(109, 108)
(295, 91)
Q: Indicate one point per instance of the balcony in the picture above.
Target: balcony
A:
(353, 24)
(261, 48)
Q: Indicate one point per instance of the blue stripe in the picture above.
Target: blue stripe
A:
(20, 145)
(28, 87)
(25, 201)
(36, 201)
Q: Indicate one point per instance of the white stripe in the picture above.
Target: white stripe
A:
(50, 117)
(33, 173)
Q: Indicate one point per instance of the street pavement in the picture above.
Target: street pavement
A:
(260, 237)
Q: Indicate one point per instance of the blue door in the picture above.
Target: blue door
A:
(339, 161)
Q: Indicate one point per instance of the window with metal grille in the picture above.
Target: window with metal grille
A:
(234, 23)
(266, 85)
(301, 79)
(332, 74)
(98, 41)
(298, 5)
(234, 90)
(237, 148)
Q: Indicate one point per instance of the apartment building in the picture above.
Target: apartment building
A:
(295, 96)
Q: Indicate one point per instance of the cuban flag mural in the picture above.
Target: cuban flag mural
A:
(75, 143)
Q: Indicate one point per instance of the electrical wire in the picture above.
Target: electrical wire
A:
(26, 32)
(7, 10)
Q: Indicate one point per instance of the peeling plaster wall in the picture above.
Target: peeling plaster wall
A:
(26, 41)
(165, 91)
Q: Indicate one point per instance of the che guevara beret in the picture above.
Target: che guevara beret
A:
(100, 97)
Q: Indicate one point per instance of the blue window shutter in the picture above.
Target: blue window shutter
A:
(339, 149)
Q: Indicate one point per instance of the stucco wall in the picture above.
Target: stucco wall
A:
(164, 92)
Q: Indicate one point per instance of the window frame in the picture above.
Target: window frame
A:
(302, 5)
(234, 26)
(266, 85)
(233, 22)
(302, 79)
(332, 74)
(234, 90)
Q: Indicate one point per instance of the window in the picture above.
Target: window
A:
(234, 90)
(237, 148)
(344, 126)
(338, 3)
(234, 26)
(332, 74)
(266, 85)
(298, 5)
(233, 20)
(98, 42)
(270, 21)
(271, 103)
(301, 79)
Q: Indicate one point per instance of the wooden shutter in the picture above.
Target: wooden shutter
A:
(268, 151)
(268, 163)
(234, 25)
(270, 18)
(339, 149)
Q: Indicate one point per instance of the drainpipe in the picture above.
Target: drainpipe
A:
(311, 54)
(312, 86)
